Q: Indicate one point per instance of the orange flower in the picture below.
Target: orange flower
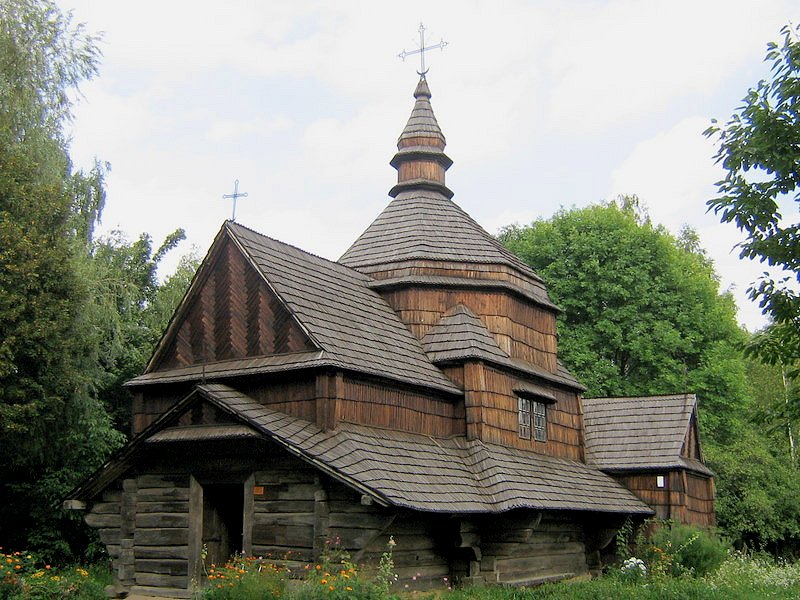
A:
(330, 588)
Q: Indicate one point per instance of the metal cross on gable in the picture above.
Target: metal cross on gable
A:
(235, 195)
(421, 50)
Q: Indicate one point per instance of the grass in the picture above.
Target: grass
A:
(739, 577)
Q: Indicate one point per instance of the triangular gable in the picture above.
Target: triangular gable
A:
(461, 335)
(229, 312)
(691, 441)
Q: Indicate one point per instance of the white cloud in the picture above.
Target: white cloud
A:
(223, 130)
(620, 61)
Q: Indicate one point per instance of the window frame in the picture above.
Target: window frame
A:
(524, 417)
(539, 420)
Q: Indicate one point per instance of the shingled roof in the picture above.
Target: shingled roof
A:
(351, 323)
(353, 327)
(641, 433)
(461, 335)
(406, 470)
(422, 224)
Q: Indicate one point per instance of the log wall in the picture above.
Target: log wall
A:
(525, 330)
(285, 511)
(161, 538)
(527, 548)
(113, 515)
(492, 414)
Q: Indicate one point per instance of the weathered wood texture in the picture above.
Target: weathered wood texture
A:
(113, 515)
(231, 313)
(161, 536)
(294, 396)
(691, 444)
(284, 511)
(523, 548)
(524, 330)
(686, 498)
(149, 405)
(492, 414)
(421, 551)
(430, 170)
(375, 404)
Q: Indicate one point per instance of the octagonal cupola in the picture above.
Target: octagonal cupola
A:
(420, 160)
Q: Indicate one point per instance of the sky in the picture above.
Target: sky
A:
(545, 104)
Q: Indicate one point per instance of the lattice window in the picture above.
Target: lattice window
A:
(539, 421)
(524, 418)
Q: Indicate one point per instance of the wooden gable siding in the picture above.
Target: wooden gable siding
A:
(376, 404)
(492, 414)
(691, 444)
(687, 498)
(522, 329)
(147, 406)
(295, 396)
(233, 314)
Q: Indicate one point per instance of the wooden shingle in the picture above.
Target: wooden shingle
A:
(352, 324)
(640, 433)
(450, 475)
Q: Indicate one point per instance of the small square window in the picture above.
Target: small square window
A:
(524, 418)
(661, 481)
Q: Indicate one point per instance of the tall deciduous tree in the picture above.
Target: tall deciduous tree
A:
(642, 309)
(53, 427)
(78, 315)
(759, 148)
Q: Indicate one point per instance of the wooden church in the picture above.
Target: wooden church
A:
(412, 389)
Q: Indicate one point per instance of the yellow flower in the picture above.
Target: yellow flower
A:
(324, 581)
(330, 588)
(349, 589)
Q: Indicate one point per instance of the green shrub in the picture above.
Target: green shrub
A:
(675, 549)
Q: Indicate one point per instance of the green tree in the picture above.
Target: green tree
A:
(642, 309)
(78, 315)
(759, 150)
(53, 428)
(643, 314)
(129, 310)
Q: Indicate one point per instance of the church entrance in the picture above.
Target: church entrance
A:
(223, 520)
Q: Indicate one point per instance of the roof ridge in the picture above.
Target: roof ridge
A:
(228, 223)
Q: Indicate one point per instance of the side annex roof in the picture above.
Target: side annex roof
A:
(640, 433)
(406, 470)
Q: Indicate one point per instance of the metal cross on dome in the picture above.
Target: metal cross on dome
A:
(235, 195)
(421, 50)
